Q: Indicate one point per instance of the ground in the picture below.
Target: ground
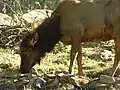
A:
(97, 57)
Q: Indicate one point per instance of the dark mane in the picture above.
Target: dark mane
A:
(49, 34)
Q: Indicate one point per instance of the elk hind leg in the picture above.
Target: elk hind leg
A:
(117, 57)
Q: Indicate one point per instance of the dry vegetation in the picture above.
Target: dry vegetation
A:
(97, 56)
(52, 64)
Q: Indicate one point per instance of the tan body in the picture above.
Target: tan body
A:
(82, 21)
(74, 22)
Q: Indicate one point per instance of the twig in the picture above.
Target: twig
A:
(12, 27)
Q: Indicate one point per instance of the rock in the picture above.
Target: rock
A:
(36, 16)
(117, 86)
(68, 86)
(106, 79)
(94, 85)
(97, 85)
(52, 83)
(6, 20)
(37, 13)
(117, 79)
(77, 81)
(36, 82)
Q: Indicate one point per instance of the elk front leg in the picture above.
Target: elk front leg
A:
(117, 57)
(75, 54)
(80, 62)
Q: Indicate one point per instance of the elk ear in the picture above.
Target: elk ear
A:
(34, 39)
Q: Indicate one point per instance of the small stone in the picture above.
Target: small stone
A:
(111, 88)
(67, 86)
(117, 80)
(61, 74)
(117, 86)
(36, 82)
(52, 84)
(106, 79)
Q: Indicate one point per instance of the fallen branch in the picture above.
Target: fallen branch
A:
(4, 27)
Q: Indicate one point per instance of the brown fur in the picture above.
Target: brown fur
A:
(89, 21)
(77, 21)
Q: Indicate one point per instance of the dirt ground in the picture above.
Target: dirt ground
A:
(54, 75)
